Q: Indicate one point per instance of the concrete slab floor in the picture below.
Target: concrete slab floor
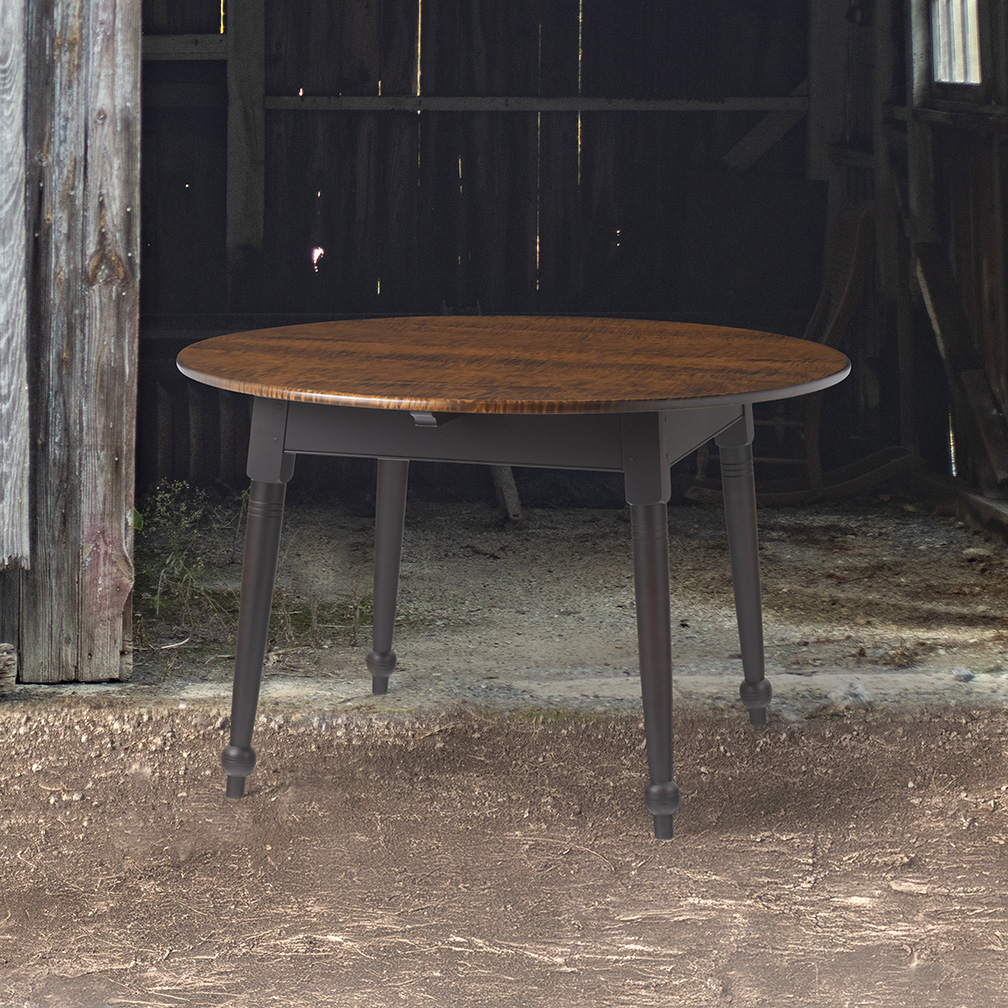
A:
(874, 602)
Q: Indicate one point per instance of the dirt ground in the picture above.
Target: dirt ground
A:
(478, 836)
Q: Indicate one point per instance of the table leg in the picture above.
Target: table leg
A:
(390, 512)
(648, 484)
(262, 545)
(735, 447)
(649, 529)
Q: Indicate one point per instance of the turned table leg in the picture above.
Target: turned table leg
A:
(269, 468)
(735, 447)
(648, 484)
(649, 529)
(262, 545)
(390, 512)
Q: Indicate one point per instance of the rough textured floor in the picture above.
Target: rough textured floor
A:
(491, 860)
(477, 837)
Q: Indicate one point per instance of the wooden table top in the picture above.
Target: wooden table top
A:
(513, 364)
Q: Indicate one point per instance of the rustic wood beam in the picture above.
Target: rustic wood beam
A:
(46, 621)
(887, 223)
(892, 255)
(14, 538)
(428, 103)
(109, 340)
(185, 47)
(985, 119)
(83, 143)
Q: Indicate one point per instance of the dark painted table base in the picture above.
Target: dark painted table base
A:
(641, 445)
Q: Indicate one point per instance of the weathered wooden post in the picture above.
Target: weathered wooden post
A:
(13, 289)
(70, 613)
(13, 318)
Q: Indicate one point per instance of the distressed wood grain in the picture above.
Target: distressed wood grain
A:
(14, 540)
(82, 130)
(488, 364)
(107, 391)
(55, 130)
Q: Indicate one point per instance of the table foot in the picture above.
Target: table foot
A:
(663, 827)
(756, 697)
(381, 666)
(238, 762)
(390, 513)
(662, 799)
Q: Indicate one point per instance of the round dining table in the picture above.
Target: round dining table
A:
(624, 395)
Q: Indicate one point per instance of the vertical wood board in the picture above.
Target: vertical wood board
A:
(83, 171)
(626, 161)
(398, 209)
(398, 32)
(108, 348)
(499, 154)
(303, 47)
(50, 603)
(559, 187)
(14, 535)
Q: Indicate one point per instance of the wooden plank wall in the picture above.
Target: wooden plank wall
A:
(507, 211)
(71, 612)
(14, 542)
(629, 212)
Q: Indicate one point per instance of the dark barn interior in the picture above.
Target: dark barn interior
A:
(808, 169)
(669, 160)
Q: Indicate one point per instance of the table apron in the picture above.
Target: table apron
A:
(582, 441)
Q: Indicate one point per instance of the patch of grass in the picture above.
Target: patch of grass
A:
(184, 538)
(908, 655)
(996, 669)
(562, 716)
(313, 621)
(179, 530)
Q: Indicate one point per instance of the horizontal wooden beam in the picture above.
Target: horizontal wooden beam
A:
(532, 103)
(976, 117)
(185, 47)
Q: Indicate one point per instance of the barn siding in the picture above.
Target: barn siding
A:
(71, 612)
(14, 540)
(509, 211)
(522, 211)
